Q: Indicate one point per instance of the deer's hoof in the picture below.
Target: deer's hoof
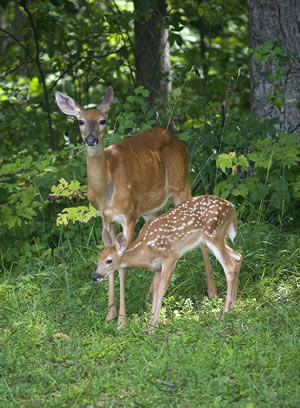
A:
(211, 293)
(112, 313)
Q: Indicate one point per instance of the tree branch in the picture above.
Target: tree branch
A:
(53, 143)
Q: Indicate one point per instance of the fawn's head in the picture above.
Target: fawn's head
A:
(91, 122)
(110, 258)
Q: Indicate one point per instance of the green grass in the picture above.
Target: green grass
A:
(249, 358)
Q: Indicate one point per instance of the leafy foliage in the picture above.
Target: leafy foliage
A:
(26, 215)
(268, 176)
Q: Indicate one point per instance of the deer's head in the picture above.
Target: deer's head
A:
(91, 122)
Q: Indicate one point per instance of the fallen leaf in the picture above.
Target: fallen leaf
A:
(60, 336)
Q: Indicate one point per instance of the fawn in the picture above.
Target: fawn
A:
(198, 222)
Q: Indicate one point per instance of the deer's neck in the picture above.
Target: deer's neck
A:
(97, 175)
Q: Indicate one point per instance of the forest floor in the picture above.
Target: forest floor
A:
(57, 350)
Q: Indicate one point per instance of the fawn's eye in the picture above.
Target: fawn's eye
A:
(81, 122)
(108, 262)
(102, 122)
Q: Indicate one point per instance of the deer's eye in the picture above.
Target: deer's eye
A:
(108, 262)
(81, 122)
(102, 122)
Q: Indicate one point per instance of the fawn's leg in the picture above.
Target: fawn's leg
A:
(237, 261)
(226, 256)
(154, 286)
(168, 266)
(211, 286)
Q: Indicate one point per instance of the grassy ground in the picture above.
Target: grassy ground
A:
(57, 350)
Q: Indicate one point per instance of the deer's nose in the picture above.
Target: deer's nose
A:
(91, 140)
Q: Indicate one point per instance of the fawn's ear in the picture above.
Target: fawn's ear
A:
(67, 105)
(121, 243)
(106, 238)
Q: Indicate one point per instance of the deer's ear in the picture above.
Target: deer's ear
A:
(107, 100)
(106, 238)
(121, 243)
(67, 105)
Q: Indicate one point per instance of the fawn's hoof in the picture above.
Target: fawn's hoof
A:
(121, 322)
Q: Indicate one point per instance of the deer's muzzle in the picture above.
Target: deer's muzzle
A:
(91, 140)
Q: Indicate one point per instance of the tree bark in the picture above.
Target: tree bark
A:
(151, 48)
(276, 20)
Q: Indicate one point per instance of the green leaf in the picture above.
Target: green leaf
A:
(267, 45)
(243, 162)
(280, 185)
(241, 190)
(80, 213)
(176, 92)
(141, 90)
(295, 189)
(279, 198)
(260, 57)
(259, 192)
(278, 102)
(224, 161)
(223, 189)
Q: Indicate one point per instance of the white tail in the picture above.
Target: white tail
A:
(130, 179)
(198, 222)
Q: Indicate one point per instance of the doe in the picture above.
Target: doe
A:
(203, 221)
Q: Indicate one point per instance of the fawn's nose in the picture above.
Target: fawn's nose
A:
(91, 140)
(98, 278)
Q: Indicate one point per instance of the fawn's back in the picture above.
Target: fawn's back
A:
(193, 223)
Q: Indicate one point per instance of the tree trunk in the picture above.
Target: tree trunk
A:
(276, 20)
(151, 48)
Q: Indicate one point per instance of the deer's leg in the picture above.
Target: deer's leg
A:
(181, 196)
(166, 273)
(112, 309)
(211, 286)
(122, 311)
(129, 231)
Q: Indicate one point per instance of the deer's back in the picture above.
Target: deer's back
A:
(149, 166)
